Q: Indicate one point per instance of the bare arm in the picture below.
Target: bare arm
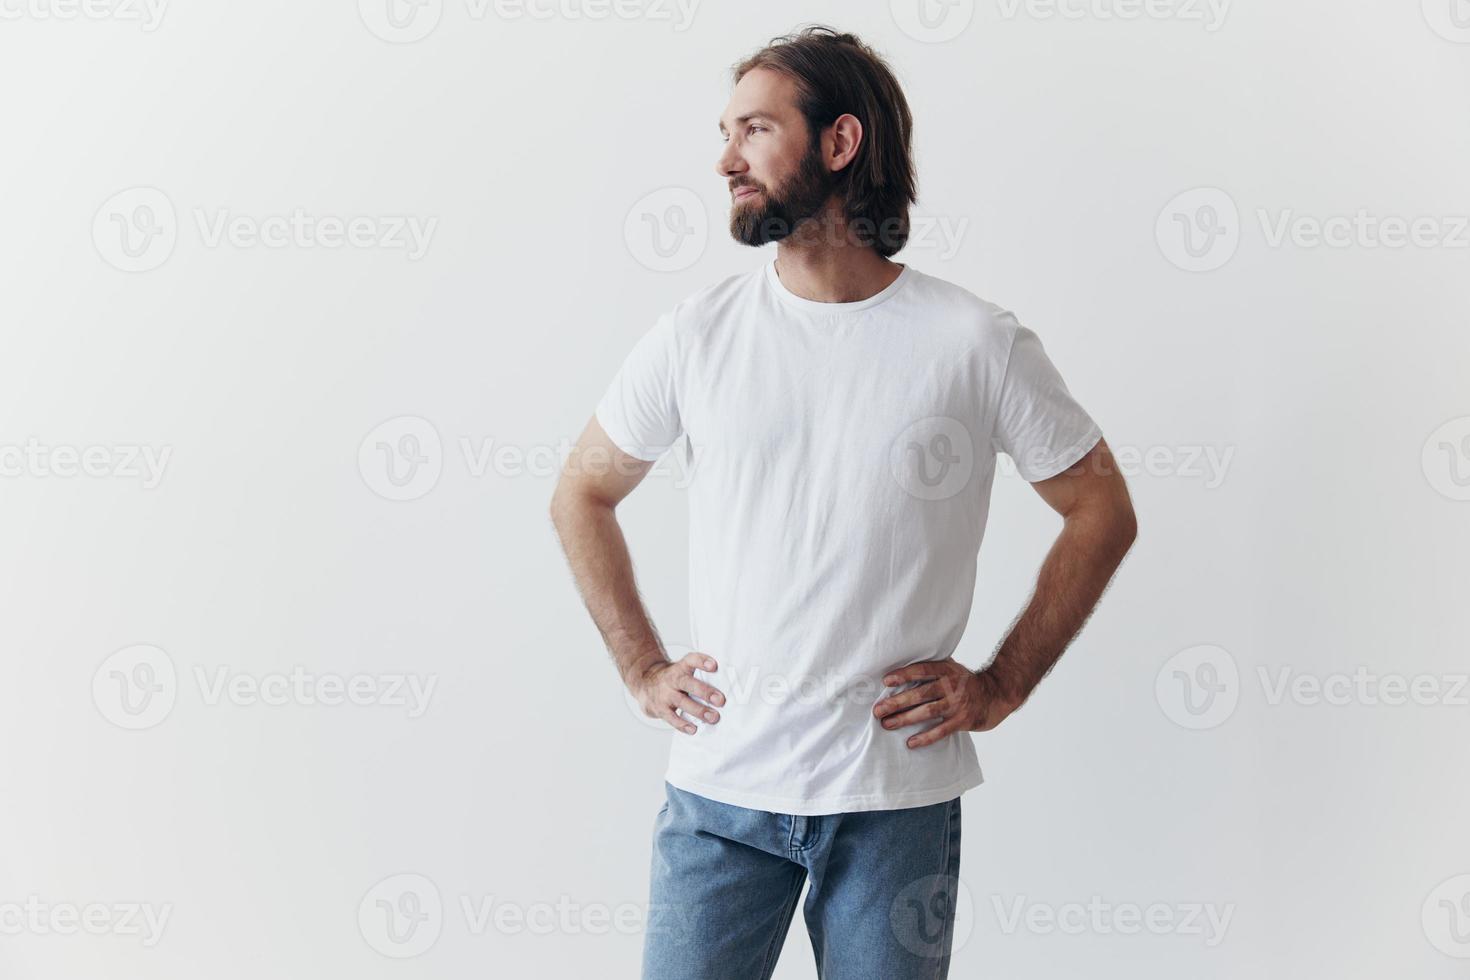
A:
(1098, 528)
(596, 478)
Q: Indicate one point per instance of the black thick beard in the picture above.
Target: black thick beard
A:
(800, 200)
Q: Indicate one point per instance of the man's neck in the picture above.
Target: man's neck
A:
(828, 274)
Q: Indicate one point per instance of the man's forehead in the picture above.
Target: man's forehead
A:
(763, 94)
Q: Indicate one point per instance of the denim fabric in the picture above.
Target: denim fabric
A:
(726, 881)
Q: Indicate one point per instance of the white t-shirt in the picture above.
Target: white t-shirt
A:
(842, 457)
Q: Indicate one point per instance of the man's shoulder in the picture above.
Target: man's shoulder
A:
(704, 305)
(974, 316)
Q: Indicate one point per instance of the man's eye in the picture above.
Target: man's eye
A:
(725, 137)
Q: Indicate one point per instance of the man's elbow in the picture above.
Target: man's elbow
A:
(563, 504)
(1122, 527)
(1109, 519)
(571, 502)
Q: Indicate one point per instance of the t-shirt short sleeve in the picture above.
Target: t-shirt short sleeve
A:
(1038, 422)
(640, 410)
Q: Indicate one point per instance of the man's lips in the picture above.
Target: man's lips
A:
(742, 192)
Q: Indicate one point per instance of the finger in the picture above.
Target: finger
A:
(695, 660)
(941, 730)
(677, 722)
(931, 709)
(909, 698)
(924, 671)
(694, 709)
(698, 688)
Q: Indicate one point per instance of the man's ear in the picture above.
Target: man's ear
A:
(847, 136)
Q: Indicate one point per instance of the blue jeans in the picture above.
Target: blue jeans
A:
(726, 880)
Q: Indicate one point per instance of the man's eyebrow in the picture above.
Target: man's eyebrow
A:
(754, 114)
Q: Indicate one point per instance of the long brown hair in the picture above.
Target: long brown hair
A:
(837, 73)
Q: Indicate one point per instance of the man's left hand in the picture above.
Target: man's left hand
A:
(963, 700)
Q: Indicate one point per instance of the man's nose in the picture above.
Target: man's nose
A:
(729, 163)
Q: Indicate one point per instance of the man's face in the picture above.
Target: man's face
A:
(776, 179)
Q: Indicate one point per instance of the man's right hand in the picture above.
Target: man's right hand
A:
(664, 689)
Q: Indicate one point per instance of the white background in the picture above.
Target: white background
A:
(1052, 143)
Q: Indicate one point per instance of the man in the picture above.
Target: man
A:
(846, 411)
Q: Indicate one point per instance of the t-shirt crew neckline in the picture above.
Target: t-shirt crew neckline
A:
(906, 272)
